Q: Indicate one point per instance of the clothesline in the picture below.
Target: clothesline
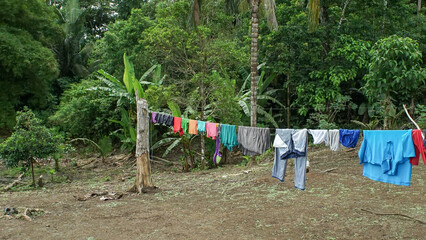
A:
(383, 161)
(171, 119)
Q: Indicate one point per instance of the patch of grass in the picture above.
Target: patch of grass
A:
(109, 204)
(11, 172)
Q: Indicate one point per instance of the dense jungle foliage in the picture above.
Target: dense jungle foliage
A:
(350, 64)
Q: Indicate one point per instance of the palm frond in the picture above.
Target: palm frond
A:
(245, 107)
(145, 75)
(270, 92)
(243, 87)
(173, 145)
(266, 83)
(265, 97)
(163, 142)
(268, 116)
(129, 73)
(110, 77)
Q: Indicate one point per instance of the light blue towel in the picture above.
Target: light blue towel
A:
(201, 126)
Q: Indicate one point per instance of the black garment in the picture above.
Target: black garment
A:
(166, 119)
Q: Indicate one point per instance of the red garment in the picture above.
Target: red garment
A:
(177, 125)
(418, 148)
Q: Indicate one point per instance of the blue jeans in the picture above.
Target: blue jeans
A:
(280, 165)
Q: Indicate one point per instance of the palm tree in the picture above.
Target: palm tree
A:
(255, 5)
(74, 56)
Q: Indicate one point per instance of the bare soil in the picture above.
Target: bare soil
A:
(231, 202)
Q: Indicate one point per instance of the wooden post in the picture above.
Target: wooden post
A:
(143, 175)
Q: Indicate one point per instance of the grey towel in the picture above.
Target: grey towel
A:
(253, 140)
(334, 140)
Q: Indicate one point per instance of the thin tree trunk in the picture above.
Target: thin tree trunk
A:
(387, 106)
(203, 106)
(412, 106)
(203, 147)
(143, 175)
(385, 6)
(288, 101)
(253, 60)
(32, 171)
(196, 12)
(343, 13)
(419, 6)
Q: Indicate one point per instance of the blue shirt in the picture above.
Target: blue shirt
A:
(386, 155)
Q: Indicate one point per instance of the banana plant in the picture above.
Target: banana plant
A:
(127, 133)
(243, 96)
(126, 91)
(174, 140)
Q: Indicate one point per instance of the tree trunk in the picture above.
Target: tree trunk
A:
(253, 60)
(196, 12)
(412, 106)
(253, 65)
(385, 6)
(288, 100)
(143, 175)
(32, 171)
(419, 6)
(56, 164)
(342, 16)
(203, 107)
(386, 107)
(203, 147)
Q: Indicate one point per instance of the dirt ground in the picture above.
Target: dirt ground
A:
(232, 202)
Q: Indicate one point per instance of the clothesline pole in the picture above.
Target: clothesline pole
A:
(415, 124)
(143, 180)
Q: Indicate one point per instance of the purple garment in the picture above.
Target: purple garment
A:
(153, 117)
(348, 138)
(217, 153)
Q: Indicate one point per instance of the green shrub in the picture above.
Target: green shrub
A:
(30, 140)
(84, 113)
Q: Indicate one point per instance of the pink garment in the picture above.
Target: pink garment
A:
(211, 129)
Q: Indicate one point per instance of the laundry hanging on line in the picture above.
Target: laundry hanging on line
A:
(385, 155)
(291, 143)
(192, 127)
(348, 138)
(255, 141)
(419, 147)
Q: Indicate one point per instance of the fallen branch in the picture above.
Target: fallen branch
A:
(82, 165)
(26, 217)
(104, 196)
(394, 214)
(328, 170)
(164, 160)
(13, 183)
